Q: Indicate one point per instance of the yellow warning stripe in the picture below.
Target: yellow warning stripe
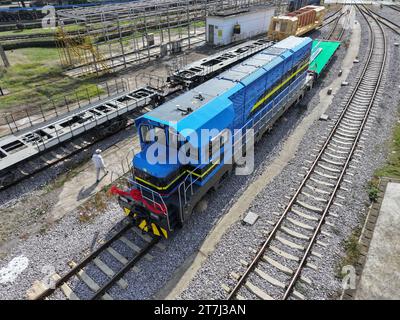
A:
(262, 100)
(155, 229)
(173, 181)
(164, 232)
(143, 225)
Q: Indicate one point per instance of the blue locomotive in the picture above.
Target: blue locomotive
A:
(178, 163)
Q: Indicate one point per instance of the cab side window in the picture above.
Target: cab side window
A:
(145, 133)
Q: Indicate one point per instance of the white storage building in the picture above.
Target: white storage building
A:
(223, 29)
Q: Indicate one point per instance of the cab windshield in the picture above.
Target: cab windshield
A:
(153, 134)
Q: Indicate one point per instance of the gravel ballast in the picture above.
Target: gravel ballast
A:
(70, 237)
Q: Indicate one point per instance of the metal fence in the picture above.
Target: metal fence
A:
(13, 122)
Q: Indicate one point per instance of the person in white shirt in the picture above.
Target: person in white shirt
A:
(99, 164)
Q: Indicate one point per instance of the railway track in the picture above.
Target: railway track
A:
(39, 164)
(335, 18)
(336, 15)
(70, 148)
(332, 31)
(78, 144)
(393, 7)
(337, 30)
(83, 271)
(333, 14)
(276, 270)
(390, 24)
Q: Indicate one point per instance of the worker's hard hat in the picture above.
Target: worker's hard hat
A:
(98, 151)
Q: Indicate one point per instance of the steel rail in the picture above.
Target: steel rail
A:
(384, 20)
(125, 269)
(342, 30)
(349, 157)
(58, 160)
(333, 14)
(334, 26)
(328, 22)
(83, 263)
(311, 170)
(393, 7)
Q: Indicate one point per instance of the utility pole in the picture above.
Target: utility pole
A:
(4, 57)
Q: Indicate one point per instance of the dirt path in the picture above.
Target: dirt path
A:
(82, 186)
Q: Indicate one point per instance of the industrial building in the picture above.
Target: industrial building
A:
(227, 27)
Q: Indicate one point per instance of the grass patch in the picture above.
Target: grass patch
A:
(352, 249)
(62, 179)
(373, 190)
(35, 79)
(95, 205)
(33, 31)
(392, 166)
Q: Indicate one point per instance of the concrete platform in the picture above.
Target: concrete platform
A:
(380, 278)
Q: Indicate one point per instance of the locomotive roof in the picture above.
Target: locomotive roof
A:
(195, 99)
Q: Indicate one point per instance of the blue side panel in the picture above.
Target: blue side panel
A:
(254, 91)
(288, 57)
(275, 73)
(298, 46)
(254, 77)
(303, 49)
(273, 64)
(238, 99)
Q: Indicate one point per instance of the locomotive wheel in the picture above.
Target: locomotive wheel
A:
(201, 206)
(6, 179)
(115, 125)
(219, 184)
(110, 127)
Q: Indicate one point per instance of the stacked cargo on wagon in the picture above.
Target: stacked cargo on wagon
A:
(296, 23)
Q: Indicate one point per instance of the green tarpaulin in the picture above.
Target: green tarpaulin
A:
(321, 53)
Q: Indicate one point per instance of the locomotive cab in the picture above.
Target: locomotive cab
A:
(168, 162)
(155, 177)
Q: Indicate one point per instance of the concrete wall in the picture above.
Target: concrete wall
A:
(251, 23)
